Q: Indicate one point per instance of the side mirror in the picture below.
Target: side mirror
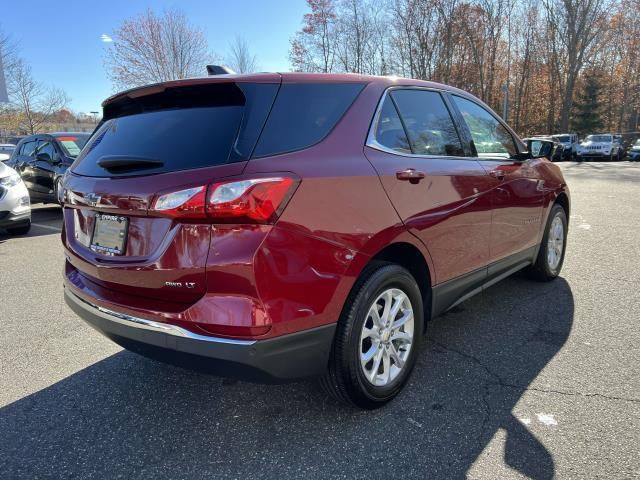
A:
(540, 148)
(43, 157)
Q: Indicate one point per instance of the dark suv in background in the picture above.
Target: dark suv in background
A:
(278, 226)
(42, 159)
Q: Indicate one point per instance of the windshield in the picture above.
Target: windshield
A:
(72, 144)
(564, 138)
(637, 143)
(598, 138)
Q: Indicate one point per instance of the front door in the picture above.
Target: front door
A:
(440, 194)
(517, 191)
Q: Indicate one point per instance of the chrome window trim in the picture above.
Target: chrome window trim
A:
(371, 137)
(144, 324)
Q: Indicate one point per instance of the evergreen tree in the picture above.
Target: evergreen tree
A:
(587, 116)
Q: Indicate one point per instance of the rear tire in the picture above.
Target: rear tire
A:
(375, 350)
(21, 230)
(554, 241)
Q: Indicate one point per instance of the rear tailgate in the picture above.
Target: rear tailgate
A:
(150, 144)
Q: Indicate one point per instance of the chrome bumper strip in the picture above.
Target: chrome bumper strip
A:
(137, 322)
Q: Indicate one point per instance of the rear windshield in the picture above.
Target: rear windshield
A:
(303, 114)
(72, 144)
(564, 138)
(179, 130)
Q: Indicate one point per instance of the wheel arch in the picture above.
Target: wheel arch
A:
(415, 259)
(562, 199)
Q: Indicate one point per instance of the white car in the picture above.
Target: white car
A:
(599, 147)
(15, 207)
(569, 144)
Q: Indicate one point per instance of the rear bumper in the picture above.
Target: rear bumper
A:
(280, 359)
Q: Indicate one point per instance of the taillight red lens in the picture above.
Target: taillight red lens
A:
(189, 203)
(256, 200)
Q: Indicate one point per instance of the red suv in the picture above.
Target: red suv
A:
(278, 226)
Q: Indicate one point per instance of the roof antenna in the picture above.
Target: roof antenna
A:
(219, 70)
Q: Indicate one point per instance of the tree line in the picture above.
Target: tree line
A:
(544, 56)
(559, 65)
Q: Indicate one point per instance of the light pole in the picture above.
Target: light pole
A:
(95, 117)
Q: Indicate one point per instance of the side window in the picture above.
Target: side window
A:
(303, 114)
(389, 131)
(429, 125)
(46, 148)
(489, 135)
(28, 149)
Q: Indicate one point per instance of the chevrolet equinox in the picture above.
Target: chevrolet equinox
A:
(271, 227)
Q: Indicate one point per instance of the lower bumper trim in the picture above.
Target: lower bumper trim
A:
(275, 360)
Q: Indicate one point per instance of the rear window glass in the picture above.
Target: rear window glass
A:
(72, 145)
(183, 129)
(303, 114)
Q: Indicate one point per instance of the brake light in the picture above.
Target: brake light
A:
(183, 203)
(256, 200)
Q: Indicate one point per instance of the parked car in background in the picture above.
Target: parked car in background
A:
(568, 145)
(42, 159)
(15, 208)
(599, 147)
(634, 151)
(617, 139)
(6, 149)
(557, 152)
(313, 234)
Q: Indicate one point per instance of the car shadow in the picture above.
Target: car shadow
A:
(130, 417)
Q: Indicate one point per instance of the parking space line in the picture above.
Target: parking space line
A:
(47, 227)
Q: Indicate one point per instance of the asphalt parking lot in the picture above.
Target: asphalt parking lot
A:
(527, 380)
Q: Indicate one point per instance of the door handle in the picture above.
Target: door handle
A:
(499, 174)
(411, 174)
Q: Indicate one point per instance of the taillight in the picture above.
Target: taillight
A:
(258, 200)
(255, 200)
(183, 203)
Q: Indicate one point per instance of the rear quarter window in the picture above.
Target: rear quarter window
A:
(303, 115)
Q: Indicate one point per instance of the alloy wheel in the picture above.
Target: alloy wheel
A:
(555, 243)
(387, 337)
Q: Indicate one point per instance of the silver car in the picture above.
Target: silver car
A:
(15, 207)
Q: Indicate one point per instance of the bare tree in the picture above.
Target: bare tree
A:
(154, 48)
(35, 103)
(577, 26)
(240, 59)
(314, 47)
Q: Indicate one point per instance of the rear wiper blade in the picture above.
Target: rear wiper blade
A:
(127, 162)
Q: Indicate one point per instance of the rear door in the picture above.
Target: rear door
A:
(168, 141)
(517, 190)
(41, 169)
(440, 193)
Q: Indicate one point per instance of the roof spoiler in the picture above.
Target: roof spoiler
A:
(219, 70)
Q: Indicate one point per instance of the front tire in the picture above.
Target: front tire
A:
(551, 254)
(377, 339)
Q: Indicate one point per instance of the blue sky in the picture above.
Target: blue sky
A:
(62, 40)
